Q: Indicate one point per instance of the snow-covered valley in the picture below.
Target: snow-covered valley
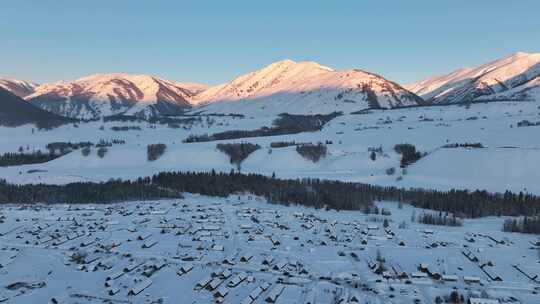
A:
(505, 163)
(163, 243)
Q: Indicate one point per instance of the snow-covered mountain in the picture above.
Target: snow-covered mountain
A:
(304, 88)
(515, 77)
(100, 95)
(20, 88)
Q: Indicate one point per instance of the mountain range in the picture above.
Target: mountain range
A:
(513, 78)
(101, 95)
(304, 87)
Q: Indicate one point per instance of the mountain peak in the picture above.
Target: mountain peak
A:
(290, 63)
(304, 87)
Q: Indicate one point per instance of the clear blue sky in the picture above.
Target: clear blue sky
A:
(214, 41)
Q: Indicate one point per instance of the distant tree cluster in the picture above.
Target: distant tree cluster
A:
(371, 96)
(439, 219)
(390, 171)
(102, 151)
(125, 128)
(110, 143)
(66, 147)
(85, 151)
(453, 298)
(17, 159)
(312, 152)
(373, 156)
(155, 151)
(289, 123)
(282, 144)
(526, 123)
(55, 150)
(123, 118)
(523, 225)
(374, 151)
(83, 193)
(171, 122)
(409, 154)
(464, 145)
(237, 152)
(284, 124)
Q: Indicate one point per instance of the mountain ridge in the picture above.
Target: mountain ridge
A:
(107, 94)
(18, 87)
(487, 82)
(304, 87)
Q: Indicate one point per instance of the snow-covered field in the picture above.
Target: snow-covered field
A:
(157, 252)
(225, 249)
(508, 161)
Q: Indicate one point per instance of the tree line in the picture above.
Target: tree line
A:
(284, 124)
(523, 225)
(20, 158)
(309, 192)
(350, 195)
(439, 219)
(476, 145)
(83, 193)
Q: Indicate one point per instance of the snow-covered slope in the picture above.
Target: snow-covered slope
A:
(14, 111)
(304, 88)
(20, 88)
(511, 78)
(100, 95)
(193, 87)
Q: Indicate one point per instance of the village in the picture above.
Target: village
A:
(242, 249)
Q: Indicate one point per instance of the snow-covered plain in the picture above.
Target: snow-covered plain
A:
(508, 161)
(160, 251)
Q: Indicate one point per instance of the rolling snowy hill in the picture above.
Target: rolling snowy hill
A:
(304, 88)
(100, 95)
(513, 78)
(18, 87)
